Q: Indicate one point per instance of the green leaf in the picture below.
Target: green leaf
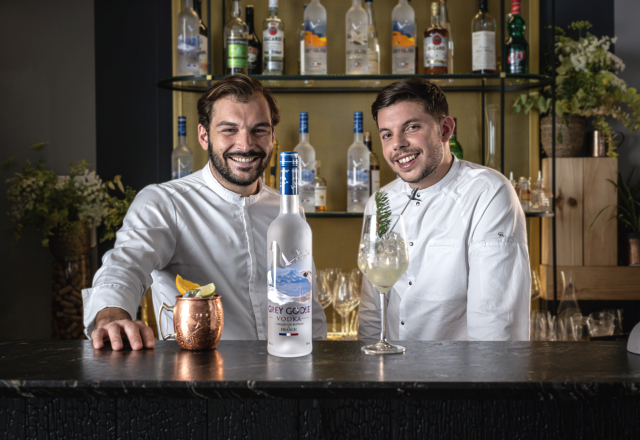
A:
(383, 212)
(7, 164)
(39, 146)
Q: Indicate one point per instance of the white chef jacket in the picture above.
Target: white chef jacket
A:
(196, 228)
(468, 275)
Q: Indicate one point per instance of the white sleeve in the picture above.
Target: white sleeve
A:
(498, 296)
(369, 309)
(146, 242)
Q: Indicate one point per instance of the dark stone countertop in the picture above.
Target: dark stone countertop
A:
(484, 370)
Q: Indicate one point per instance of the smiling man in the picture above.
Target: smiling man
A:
(468, 275)
(208, 227)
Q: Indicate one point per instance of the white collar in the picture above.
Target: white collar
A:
(428, 192)
(228, 195)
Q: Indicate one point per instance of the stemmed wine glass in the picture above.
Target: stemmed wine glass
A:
(344, 301)
(383, 258)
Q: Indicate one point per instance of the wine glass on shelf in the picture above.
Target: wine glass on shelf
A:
(383, 258)
(324, 295)
(343, 301)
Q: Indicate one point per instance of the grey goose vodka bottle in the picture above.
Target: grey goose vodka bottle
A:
(290, 270)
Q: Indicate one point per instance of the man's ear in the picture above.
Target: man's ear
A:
(448, 125)
(203, 137)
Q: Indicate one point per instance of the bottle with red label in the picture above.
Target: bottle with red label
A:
(436, 44)
(517, 47)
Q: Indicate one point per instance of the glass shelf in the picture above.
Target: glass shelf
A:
(367, 83)
(342, 214)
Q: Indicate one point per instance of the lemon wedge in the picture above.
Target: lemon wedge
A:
(208, 290)
(184, 285)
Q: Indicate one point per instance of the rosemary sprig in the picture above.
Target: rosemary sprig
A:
(383, 213)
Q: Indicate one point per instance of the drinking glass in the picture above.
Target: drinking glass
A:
(601, 324)
(535, 285)
(356, 284)
(580, 325)
(383, 258)
(492, 159)
(343, 301)
(325, 294)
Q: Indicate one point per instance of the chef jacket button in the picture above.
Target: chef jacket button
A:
(411, 243)
(417, 203)
(418, 195)
(402, 322)
(410, 283)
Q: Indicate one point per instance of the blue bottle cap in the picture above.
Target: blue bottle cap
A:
(304, 122)
(289, 159)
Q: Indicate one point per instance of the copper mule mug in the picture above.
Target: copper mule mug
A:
(197, 322)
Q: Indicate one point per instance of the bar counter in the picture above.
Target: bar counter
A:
(435, 390)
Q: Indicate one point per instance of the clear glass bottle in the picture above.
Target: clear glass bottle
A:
(454, 145)
(567, 308)
(188, 47)
(203, 53)
(403, 44)
(315, 39)
(290, 270)
(320, 190)
(492, 153)
(373, 50)
(236, 33)
(436, 44)
(306, 168)
(513, 182)
(444, 22)
(273, 40)
(301, 39)
(483, 41)
(357, 31)
(524, 192)
(181, 157)
(254, 46)
(540, 196)
(374, 165)
(517, 46)
(357, 169)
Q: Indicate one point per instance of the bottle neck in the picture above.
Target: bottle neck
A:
(236, 9)
(182, 140)
(368, 145)
(483, 6)
(289, 204)
(356, 3)
(435, 20)
(515, 7)
(197, 6)
(304, 137)
(358, 137)
(273, 13)
(188, 4)
(249, 17)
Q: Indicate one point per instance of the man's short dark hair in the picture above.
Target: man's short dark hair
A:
(241, 88)
(413, 90)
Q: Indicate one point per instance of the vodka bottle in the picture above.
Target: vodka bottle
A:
(236, 33)
(524, 187)
(273, 40)
(483, 41)
(181, 157)
(403, 46)
(290, 270)
(315, 39)
(203, 53)
(307, 162)
(301, 38)
(254, 47)
(374, 165)
(444, 22)
(513, 182)
(357, 39)
(373, 51)
(188, 41)
(436, 44)
(357, 169)
(320, 188)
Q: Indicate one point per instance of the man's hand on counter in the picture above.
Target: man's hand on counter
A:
(112, 323)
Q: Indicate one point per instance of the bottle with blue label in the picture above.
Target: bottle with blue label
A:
(290, 270)
(357, 169)
(307, 158)
(181, 157)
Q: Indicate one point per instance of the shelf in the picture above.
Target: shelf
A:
(342, 214)
(594, 282)
(366, 83)
(538, 214)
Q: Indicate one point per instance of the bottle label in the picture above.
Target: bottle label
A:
(515, 7)
(375, 181)
(304, 123)
(358, 180)
(357, 47)
(516, 61)
(237, 52)
(189, 51)
(204, 55)
(483, 51)
(182, 126)
(357, 123)
(436, 48)
(403, 47)
(252, 59)
(273, 48)
(289, 181)
(320, 196)
(315, 47)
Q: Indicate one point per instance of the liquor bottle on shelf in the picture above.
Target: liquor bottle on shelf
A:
(374, 165)
(188, 47)
(315, 39)
(513, 182)
(357, 169)
(306, 167)
(273, 39)
(444, 22)
(436, 44)
(236, 33)
(301, 38)
(516, 47)
(541, 196)
(271, 172)
(181, 157)
(483, 41)
(357, 31)
(454, 145)
(203, 53)
(403, 44)
(320, 190)
(254, 46)
(373, 50)
(524, 190)
(289, 270)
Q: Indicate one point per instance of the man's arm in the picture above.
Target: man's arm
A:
(145, 242)
(498, 296)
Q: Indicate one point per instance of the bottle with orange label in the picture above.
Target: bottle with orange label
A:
(403, 45)
(315, 39)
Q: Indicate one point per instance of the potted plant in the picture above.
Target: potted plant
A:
(628, 215)
(587, 86)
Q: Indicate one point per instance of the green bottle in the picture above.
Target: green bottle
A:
(454, 145)
(516, 46)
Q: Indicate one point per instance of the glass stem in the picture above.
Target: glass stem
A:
(344, 324)
(383, 327)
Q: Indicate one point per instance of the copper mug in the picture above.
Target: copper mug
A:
(197, 322)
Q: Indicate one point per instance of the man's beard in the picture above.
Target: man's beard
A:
(433, 161)
(225, 171)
